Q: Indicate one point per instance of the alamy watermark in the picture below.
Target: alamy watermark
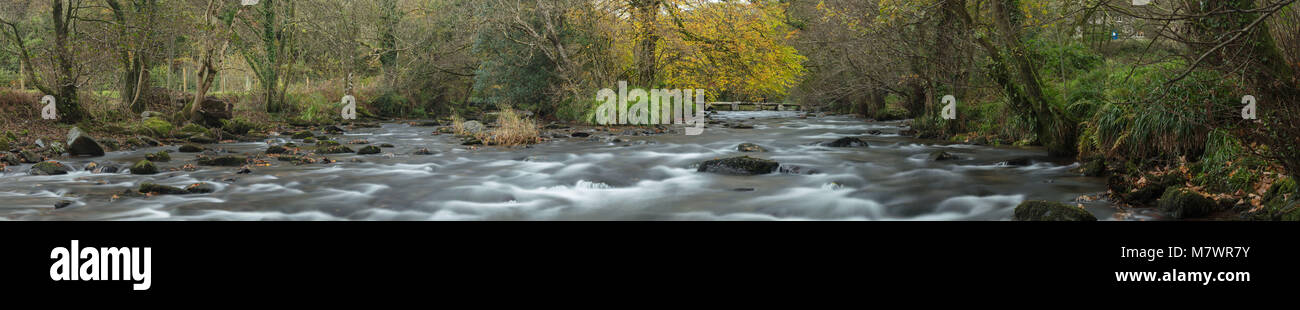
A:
(655, 107)
(48, 109)
(349, 107)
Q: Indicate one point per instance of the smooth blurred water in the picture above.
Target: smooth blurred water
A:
(645, 178)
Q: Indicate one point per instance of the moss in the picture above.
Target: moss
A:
(151, 188)
(369, 149)
(303, 135)
(750, 147)
(326, 143)
(155, 127)
(225, 161)
(161, 156)
(191, 148)
(49, 168)
(144, 167)
(238, 126)
(1038, 210)
(1183, 203)
(1280, 202)
(333, 149)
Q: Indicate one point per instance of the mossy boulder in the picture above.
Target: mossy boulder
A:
(743, 165)
(750, 147)
(333, 149)
(1281, 202)
(223, 161)
(156, 127)
(327, 143)
(156, 189)
(1093, 168)
(10, 159)
(303, 135)
(191, 148)
(276, 149)
(144, 167)
(847, 142)
(369, 149)
(1038, 210)
(160, 156)
(48, 168)
(238, 126)
(1154, 189)
(1183, 203)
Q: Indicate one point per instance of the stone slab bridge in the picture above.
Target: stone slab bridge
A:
(752, 106)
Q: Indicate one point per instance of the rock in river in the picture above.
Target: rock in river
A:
(144, 167)
(79, 143)
(847, 142)
(224, 161)
(743, 165)
(942, 156)
(48, 168)
(369, 149)
(1038, 210)
(191, 148)
(750, 147)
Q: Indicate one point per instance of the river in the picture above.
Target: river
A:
(641, 178)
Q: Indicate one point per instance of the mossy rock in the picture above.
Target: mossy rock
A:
(160, 156)
(191, 148)
(144, 167)
(156, 127)
(327, 143)
(1093, 168)
(750, 147)
(743, 165)
(202, 139)
(238, 126)
(1038, 210)
(156, 189)
(1281, 202)
(194, 129)
(333, 149)
(303, 135)
(49, 168)
(369, 149)
(276, 149)
(1183, 203)
(1154, 189)
(223, 161)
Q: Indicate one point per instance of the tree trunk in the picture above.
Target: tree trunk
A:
(647, 14)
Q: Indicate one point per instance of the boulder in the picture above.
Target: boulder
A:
(423, 151)
(10, 159)
(48, 168)
(580, 135)
(369, 149)
(1038, 210)
(333, 149)
(202, 139)
(200, 188)
(29, 157)
(223, 161)
(743, 165)
(942, 156)
(156, 189)
(144, 167)
(750, 147)
(303, 135)
(387, 145)
(473, 127)
(1153, 189)
(81, 144)
(160, 156)
(213, 111)
(276, 149)
(1183, 203)
(847, 142)
(334, 130)
(191, 148)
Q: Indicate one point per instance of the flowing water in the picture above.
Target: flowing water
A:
(642, 178)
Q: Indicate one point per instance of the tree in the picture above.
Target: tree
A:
(66, 71)
(134, 23)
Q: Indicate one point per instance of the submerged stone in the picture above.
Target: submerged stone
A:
(1038, 210)
(743, 165)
